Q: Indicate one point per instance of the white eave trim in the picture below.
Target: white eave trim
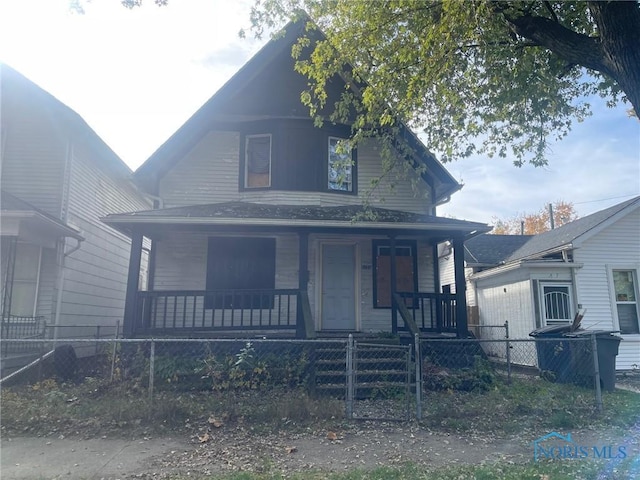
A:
(284, 222)
(64, 230)
(524, 264)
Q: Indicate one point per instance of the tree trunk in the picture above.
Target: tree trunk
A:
(619, 28)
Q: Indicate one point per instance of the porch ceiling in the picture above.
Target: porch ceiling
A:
(355, 219)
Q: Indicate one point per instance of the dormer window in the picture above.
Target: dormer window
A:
(257, 161)
(340, 165)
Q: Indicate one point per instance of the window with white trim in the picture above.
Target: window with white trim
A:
(26, 276)
(625, 285)
(340, 165)
(555, 303)
(257, 163)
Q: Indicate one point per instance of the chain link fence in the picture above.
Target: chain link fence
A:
(375, 378)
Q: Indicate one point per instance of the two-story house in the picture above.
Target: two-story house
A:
(260, 226)
(61, 266)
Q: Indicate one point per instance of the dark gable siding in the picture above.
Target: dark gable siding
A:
(299, 152)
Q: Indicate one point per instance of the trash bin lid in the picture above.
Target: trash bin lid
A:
(598, 333)
(551, 331)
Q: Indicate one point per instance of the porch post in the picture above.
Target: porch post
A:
(392, 287)
(461, 298)
(130, 303)
(303, 281)
(7, 281)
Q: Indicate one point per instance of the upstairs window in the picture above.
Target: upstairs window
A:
(257, 161)
(341, 165)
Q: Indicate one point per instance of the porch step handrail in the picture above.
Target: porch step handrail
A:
(406, 315)
(431, 311)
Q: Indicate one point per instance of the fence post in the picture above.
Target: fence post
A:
(418, 357)
(114, 351)
(596, 371)
(508, 344)
(152, 361)
(349, 396)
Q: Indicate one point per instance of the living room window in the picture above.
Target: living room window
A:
(625, 284)
(341, 165)
(257, 161)
(237, 264)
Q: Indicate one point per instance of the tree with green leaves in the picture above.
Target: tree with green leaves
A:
(477, 77)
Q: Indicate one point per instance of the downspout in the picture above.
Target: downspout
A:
(60, 283)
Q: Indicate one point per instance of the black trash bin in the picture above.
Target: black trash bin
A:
(554, 352)
(607, 344)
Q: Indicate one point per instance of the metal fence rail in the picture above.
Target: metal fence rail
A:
(375, 379)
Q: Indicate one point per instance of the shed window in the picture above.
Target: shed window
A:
(258, 161)
(241, 264)
(625, 286)
(340, 165)
(555, 303)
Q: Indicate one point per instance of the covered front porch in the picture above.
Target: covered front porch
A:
(282, 271)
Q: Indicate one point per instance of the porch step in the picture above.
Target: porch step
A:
(379, 369)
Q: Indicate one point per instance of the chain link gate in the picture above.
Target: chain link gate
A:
(379, 380)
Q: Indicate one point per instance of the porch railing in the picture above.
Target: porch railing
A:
(216, 310)
(23, 328)
(431, 312)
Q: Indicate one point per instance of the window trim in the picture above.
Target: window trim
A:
(375, 245)
(35, 282)
(543, 307)
(635, 269)
(245, 160)
(354, 169)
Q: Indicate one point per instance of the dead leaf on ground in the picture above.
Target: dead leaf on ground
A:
(332, 436)
(215, 422)
(291, 449)
(204, 438)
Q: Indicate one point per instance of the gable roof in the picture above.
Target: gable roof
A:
(13, 81)
(292, 216)
(203, 119)
(490, 250)
(563, 237)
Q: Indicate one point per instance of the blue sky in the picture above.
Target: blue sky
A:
(136, 76)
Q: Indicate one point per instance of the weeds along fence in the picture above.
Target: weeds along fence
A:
(380, 378)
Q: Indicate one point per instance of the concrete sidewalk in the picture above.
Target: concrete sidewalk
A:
(100, 458)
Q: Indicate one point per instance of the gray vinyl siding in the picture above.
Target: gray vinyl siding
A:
(96, 274)
(209, 174)
(617, 246)
(33, 158)
(45, 305)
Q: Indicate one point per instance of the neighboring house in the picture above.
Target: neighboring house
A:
(591, 263)
(260, 225)
(480, 253)
(60, 264)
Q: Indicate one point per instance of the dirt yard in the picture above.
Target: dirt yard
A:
(239, 448)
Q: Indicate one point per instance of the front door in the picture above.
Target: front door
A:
(338, 287)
